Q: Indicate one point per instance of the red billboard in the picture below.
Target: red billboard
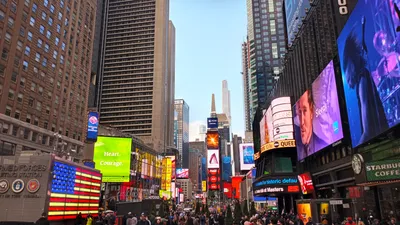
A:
(214, 179)
(228, 189)
(236, 186)
(306, 183)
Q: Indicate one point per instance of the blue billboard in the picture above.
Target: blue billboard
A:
(295, 10)
(203, 168)
(93, 125)
(226, 168)
(212, 123)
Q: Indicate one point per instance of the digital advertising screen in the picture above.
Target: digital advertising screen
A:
(226, 168)
(282, 119)
(73, 189)
(228, 189)
(182, 173)
(204, 168)
(173, 163)
(317, 117)
(370, 66)
(246, 153)
(295, 10)
(214, 179)
(93, 125)
(213, 159)
(304, 211)
(306, 183)
(212, 140)
(212, 123)
(266, 127)
(112, 156)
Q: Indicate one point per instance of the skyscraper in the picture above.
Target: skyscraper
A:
(226, 100)
(45, 69)
(267, 44)
(246, 87)
(137, 70)
(182, 130)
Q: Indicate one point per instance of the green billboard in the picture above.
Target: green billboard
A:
(112, 156)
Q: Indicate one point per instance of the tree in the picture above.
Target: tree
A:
(237, 213)
(197, 208)
(253, 210)
(228, 216)
(245, 208)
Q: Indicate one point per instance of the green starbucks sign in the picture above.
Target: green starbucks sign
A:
(383, 170)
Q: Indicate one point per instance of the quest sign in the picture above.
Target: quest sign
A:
(383, 170)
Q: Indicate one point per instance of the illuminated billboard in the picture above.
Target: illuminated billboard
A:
(214, 179)
(182, 173)
(173, 163)
(246, 153)
(212, 140)
(112, 156)
(276, 124)
(92, 127)
(213, 159)
(317, 117)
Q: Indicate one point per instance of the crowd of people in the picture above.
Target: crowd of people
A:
(215, 218)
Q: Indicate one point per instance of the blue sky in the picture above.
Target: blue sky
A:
(209, 34)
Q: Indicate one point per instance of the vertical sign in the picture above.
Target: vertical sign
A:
(163, 174)
(93, 125)
(168, 174)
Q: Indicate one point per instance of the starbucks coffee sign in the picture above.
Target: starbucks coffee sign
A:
(383, 170)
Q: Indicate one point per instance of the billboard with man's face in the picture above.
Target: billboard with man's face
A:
(317, 115)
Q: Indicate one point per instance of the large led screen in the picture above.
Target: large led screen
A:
(369, 60)
(295, 10)
(317, 115)
(212, 140)
(182, 173)
(112, 156)
(246, 153)
(213, 159)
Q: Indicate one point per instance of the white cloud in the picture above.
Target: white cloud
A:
(194, 130)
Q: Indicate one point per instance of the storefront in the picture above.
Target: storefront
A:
(379, 183)
(280, 191)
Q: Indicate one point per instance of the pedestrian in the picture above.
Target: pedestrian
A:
(143, 220)
(79, 219)
(43, 220)
(89, 219)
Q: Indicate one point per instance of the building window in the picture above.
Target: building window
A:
(19, 45)
(58, 28)
(10, 22)
(50, 21)
(2, 15)
(46, 47)
(4, 54)
(39, 43)
(38, 106)
(20, 97)
(14, 75)
(44, 62)
(22, 81)
(17, 114)
(28, 118)
(34, 8)
(41, 29)
(52, 8)
(33, 86)
(8, 37)
(48, 34)
(22, 31)
(7, 148)
(37, 57)
(59, 15)
(11, 94)
(25, 65)
(15, 130)
(30, 36)
(40, 90)
(27, 50)
(30, 102)
(8, 110)
(46, 3)
(47, 110)
(32, 21)
(44, 15)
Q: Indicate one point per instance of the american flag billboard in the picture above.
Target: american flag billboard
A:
(73, 190)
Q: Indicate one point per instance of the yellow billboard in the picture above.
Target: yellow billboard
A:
(163, 174)
(168, 174)
(204, 186)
